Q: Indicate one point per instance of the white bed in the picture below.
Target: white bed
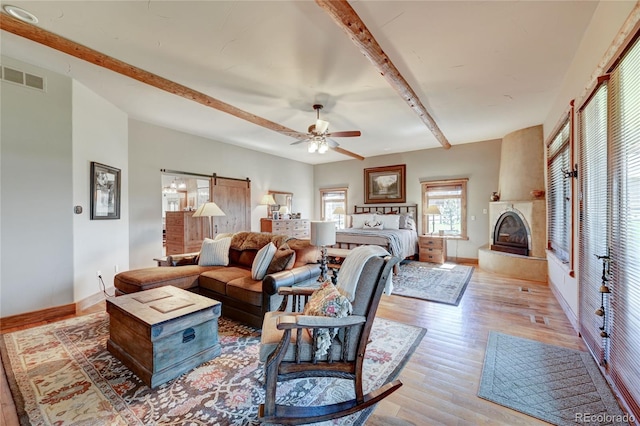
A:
(399, 242)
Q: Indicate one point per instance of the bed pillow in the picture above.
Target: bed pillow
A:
(358, 220)
(410, 224)
(215, 252)
(373, 224)
(406, 219)
(262, 260)
(389, 221)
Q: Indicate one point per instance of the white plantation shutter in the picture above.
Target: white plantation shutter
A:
(559, 193)
(592, 174)
(624, 163)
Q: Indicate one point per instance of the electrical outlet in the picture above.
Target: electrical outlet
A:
(98, 273)
(484, 211)
(473, 218)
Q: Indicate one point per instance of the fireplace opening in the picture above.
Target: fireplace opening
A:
(510, 235)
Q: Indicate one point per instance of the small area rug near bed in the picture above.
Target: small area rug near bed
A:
(431, 281)
(558, 385)
(62, 374)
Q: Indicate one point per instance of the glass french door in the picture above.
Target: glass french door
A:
(609, 254)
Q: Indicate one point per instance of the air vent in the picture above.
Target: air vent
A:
(22, 78)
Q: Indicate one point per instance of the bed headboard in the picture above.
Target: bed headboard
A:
(404, 208)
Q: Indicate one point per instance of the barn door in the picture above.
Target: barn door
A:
(233, 196)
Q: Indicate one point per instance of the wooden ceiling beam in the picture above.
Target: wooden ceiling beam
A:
(54, 41)
(346, 18)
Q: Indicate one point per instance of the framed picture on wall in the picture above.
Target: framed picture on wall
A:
(105, 192)
(385, 184)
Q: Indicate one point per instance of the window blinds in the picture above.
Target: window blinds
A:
(624, 134)
(592, 133)
(559, 193)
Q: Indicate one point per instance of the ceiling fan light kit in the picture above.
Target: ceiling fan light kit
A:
(318, 133)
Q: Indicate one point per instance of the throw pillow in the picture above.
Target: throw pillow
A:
(262, 260)
(283, 259)
(326, 301)
(223, 235)
(373, 224)
(410, 224)
(215, 252)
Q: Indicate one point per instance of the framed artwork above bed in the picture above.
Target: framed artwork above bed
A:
(385, 184)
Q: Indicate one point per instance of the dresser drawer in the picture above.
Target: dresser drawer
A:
(433, 256)
(433, 243)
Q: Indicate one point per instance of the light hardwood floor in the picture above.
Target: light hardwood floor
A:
(442, 378)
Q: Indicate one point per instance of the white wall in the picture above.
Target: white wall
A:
(100, 134)
(605, 24)
(36, 221)
(152, 148)
(480, 162)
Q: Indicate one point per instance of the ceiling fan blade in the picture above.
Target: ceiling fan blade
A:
(332, 143)
(346, 134)
(349, 153)
(294, 134)
(300, 141)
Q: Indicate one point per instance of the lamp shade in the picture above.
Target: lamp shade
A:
(339, 210)
(323, 233)
(267, 199)
(433, 210)
(208, 209)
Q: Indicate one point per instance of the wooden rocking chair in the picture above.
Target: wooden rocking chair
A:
(291, 355)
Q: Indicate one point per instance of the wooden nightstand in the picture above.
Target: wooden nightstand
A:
(432, 248)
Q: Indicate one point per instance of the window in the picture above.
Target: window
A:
(450, 198)
(330, 200)
(559, 192)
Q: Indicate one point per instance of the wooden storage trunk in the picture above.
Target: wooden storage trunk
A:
(164, 332)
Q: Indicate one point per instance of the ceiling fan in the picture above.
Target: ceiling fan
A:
(318, 134)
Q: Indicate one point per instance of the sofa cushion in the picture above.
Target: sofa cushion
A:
(242, 258)
(262, 260)
(305, 252)
(214, 252)
(217, 279)
(148, 278)
(246, 290)
(255, 240)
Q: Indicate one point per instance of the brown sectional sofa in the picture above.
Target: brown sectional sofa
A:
(243, 298)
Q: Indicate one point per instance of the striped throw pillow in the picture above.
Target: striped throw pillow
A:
(215, 252)
(262, 260)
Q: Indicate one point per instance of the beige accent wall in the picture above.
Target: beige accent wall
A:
(522, 165)
(479, 161)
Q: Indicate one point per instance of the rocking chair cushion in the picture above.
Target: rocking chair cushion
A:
(271, 336)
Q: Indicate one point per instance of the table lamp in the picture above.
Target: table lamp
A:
(323, 234)
(209, 209)
(433, 211)
(339, 211)
(268, 200)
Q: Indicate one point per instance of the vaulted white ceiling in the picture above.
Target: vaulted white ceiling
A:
(481, 68)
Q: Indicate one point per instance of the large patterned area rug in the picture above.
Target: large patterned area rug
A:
(62, 374)
(431, 281)
(558, 385)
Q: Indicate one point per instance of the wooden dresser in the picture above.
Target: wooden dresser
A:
(433, 248)
(185, 233)
(297, 228)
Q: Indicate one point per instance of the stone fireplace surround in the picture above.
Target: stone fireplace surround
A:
(521, 172)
